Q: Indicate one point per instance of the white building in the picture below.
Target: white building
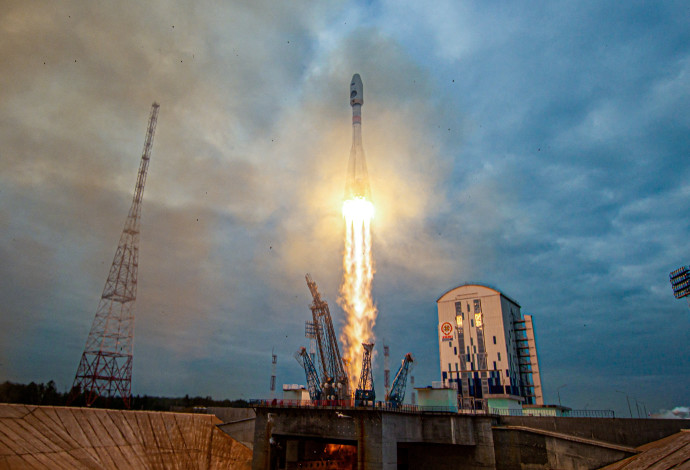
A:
(487, 349)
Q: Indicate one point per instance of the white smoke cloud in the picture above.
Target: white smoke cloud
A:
(679, 412)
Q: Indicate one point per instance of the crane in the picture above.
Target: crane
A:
(310, 371)
(336, 384)
(397, 392)
(365, 391)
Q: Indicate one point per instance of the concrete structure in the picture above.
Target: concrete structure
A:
(487, 349)
(287, 438)
(670, 452)
(545, 410)
(65, 437)
(523, 442)
(505, 406)
(342, 438)
(443, 399)
(295, 392)
(238, 423)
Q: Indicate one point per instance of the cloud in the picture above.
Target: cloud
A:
(679, 412)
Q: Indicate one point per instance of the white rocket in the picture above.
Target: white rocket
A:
(357, 184)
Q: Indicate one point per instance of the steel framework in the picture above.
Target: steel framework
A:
(336, 384)
(310, 372)
(397, 393)
(365, 393)
(105, 369)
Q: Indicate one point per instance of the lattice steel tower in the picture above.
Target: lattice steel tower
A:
(105, 369)
(365, 394)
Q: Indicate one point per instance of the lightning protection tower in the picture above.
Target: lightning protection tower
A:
(274, 361)
(105, 369)
(386, 368)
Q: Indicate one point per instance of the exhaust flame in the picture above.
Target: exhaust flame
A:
(355, 291)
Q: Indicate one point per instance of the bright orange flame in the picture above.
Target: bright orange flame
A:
(355, 292)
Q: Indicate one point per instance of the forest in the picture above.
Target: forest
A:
(47, 394)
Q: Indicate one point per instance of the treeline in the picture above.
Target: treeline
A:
(47, 394)
(32, 394)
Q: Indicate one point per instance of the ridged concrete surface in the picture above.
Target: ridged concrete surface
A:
(672, 452)
(68, 438)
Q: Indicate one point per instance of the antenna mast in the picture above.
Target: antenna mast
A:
(105, 369)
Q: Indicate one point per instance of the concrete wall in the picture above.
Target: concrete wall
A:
(66, 437)
(532, 451)
(389, 440)
(238, 423)
(227, 414)
(384, 439)
(622, 431)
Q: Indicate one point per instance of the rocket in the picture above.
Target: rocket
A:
(357, 184)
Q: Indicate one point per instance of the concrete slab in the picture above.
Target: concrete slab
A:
(66, 438)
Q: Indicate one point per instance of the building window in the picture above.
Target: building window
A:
(494, 340)
(477, 306)
(499, 356)
(495, 365)
(472, 322)
(450, 344)
(468, 349)
(455, 351)
(449, 369)
(471, 340)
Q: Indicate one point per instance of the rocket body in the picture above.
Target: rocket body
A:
(357, 184)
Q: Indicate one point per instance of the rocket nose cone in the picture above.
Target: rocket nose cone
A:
(356, 90)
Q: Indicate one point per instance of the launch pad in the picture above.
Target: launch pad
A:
(361, 438)
(294, 437)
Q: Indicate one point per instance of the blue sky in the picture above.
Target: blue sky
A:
(540, 149)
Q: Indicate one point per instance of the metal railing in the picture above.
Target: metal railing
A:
(350, 405)
(555, 412)
(405, 408)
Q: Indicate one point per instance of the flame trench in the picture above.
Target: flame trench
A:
(355, 291)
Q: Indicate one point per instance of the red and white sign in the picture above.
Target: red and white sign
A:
(446, 331)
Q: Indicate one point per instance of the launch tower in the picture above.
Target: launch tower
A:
(336, 384)
(365, 394)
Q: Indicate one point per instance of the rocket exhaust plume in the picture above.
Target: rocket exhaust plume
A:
(358, 267)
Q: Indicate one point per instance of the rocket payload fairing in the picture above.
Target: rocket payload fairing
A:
(357, 185)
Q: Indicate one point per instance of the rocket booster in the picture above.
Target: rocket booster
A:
(357, 185)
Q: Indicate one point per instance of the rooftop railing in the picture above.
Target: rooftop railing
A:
(406, 408)
(552, 412)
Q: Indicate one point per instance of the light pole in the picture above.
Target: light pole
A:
(637, 405)
(628, 400)
(558, 392)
